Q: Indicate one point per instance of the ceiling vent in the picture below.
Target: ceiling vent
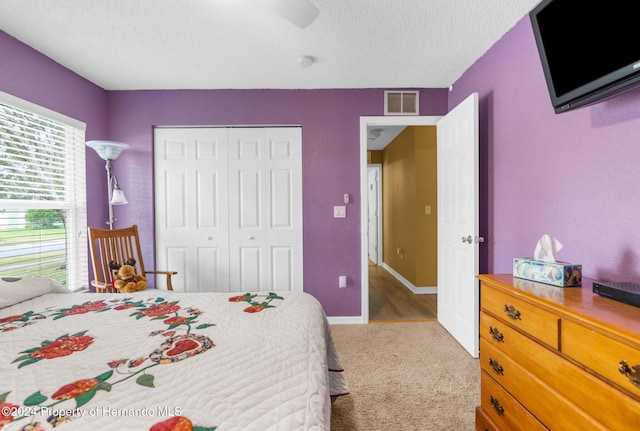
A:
(401, 103)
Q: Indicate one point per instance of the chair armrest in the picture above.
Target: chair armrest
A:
(103, 287)
(167, 273)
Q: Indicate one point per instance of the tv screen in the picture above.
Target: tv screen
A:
(589, 49)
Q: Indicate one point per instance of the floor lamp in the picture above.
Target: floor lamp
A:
(109, 151)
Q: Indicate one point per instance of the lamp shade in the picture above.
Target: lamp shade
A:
(108, 150)
(118, 198)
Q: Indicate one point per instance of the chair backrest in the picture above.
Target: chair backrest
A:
(116, 245)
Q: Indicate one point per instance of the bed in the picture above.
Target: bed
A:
(159, 360)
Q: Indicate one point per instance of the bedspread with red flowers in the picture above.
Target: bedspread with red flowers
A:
(163, 361)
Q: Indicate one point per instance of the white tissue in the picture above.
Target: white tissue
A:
(546, 248)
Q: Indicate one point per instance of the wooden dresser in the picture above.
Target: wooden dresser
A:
(559, 359)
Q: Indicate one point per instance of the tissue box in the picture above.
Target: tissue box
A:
(557, 273)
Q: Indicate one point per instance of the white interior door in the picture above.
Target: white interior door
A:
(458, 293)
(283, 168)
(373, 211)
(191, 207)
(229, 207)
(265, 203)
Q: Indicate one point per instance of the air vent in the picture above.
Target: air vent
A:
(401, 103)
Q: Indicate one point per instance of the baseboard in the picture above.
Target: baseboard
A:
(345, 320)
(419, 290)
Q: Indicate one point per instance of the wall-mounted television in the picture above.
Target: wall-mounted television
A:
(590, 50)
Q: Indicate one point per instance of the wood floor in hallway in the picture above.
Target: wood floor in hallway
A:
(390, 300)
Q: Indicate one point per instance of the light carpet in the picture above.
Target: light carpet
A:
(404, 376)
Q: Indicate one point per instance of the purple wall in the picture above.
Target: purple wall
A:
(330, 121)
(31, 76)
(573, 175)
(27, 74)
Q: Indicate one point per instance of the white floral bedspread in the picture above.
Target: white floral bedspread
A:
(157, 360)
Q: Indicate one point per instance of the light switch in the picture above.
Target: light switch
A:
(427, 210)
(342, 281)
(339, 212)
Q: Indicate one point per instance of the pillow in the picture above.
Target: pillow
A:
(15, 289)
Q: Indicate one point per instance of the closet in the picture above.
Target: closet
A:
(228, 207)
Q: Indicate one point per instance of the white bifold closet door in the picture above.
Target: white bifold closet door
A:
(229, 208)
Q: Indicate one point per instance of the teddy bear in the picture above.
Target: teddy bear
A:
(127, 280)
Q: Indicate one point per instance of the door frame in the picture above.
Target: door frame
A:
(378, 169)
(366, 122)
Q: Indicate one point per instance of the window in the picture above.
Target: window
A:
(43, 205)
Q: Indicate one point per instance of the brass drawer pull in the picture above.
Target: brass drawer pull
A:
(496, 367)
(511, 312)
(632, 373)
(496, 405)
(496, 335)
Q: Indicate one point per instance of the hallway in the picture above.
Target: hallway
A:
(390, 300)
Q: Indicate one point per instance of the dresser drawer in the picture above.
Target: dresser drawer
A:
(504, 410)
(601, 354)
(599, 401)
(505, 338)
(484, 422)
(539, 323)
(548, 406)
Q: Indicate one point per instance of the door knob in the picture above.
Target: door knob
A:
(479, 239)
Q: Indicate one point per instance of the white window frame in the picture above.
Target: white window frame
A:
(76, 200)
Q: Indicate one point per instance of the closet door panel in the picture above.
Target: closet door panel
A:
(191, 176)
(230, 199)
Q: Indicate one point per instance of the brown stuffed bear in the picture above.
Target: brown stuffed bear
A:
(128, 280)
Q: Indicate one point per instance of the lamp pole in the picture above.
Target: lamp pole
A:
(112, 219)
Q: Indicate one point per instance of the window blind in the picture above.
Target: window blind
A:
(42, 194)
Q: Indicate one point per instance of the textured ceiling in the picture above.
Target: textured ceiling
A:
(217, 44)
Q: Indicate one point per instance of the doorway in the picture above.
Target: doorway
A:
(457, 182)
(366, 125)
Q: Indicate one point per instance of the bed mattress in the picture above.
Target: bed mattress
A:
(163, 360)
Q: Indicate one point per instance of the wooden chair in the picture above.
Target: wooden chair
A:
(117, 245)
